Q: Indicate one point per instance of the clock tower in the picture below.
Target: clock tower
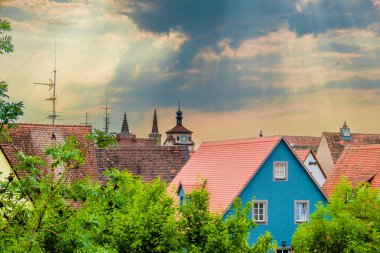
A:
(179, 135)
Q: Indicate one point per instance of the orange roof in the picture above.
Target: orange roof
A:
(303, 142)
(228, 166)
(302, 153)
(337, 144)
(359, 164)
(32, 139)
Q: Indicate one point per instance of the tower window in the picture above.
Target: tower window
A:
(177, 138)
(189, 138)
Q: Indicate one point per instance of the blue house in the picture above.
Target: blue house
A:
(264, 169)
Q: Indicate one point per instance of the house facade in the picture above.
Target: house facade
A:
(265, 170)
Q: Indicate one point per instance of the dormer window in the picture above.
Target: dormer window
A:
(345, 132)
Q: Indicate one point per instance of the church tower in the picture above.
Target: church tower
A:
(155, 135)
(125, 128)
(179, 135)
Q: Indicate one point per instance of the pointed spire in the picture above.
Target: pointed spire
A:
(155, 123)
(179, 114)
(155, 135)
(125, 127)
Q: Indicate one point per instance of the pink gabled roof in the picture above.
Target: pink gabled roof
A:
(228, 166)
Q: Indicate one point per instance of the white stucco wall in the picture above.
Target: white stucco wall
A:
(314, 169)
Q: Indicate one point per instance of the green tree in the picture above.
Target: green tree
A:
(9, 111)
(36, 207)
(102, 139)
(349, 223)
(128, 215)
(125, 215)
(5, 40)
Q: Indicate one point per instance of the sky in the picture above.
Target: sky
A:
(296, 67)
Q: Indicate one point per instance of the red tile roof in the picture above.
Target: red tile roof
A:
(32, 139)
(227, 165)
(337, 144)
(303, 142)
(358, 163)
(149, 162)
(179, 129)
(135, 141)
(302, 153)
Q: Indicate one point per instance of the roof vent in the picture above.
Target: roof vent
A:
(345, 132)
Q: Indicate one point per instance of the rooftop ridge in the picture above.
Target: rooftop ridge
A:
(363, 146)
(305, 136)
(47, 124)
(241, 140)
(352, 133)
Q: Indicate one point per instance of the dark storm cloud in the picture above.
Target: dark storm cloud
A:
(216, 89)
(321, 16)
(205, 23)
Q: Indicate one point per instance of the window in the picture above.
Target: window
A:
(177, 138)
(189, 138)
(280, 170)
(260, 211)
(301, 211)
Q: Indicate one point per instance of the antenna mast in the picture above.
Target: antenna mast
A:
(107, 115)
(52, 85)
(87, 118)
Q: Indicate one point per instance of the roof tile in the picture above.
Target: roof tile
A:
(358, 163)
(149, 162)
(32, 139)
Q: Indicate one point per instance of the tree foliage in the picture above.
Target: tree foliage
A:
(5, 40)
(349, 223)
(9, 111)
(102, 139)
(36, 207)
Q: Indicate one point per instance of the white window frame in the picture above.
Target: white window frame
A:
(285, 178)
(305, 217)
(264, 204)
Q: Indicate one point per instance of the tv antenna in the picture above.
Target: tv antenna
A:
(87, 118)
(107, 115)
(52, 85)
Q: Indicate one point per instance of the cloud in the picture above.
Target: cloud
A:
(356, 83)
(319, 16)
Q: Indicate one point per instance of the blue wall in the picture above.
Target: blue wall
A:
(280, 195)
